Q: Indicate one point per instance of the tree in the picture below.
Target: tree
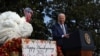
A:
(85, 14)
(40, 30)
(81, 14)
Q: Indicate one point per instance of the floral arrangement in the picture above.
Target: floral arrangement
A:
(59, 51)
(10, 47)
(13, 48)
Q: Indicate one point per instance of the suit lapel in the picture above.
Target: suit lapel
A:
(59, 29)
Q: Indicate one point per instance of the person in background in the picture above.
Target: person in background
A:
(60, 32)
(28, 12)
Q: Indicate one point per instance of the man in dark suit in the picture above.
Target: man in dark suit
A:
(60, 32)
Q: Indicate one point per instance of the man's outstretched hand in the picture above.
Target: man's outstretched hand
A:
(66, 35)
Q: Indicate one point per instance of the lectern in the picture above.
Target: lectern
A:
(80, 43)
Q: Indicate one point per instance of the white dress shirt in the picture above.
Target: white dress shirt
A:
(63, 28)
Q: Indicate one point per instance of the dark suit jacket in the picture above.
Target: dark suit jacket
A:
(57, 33)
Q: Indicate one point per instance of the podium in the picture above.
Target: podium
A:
(80, 43)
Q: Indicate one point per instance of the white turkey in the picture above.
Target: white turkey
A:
(13, 26)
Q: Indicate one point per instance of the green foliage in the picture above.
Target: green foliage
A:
(40, 30)
(86, 13)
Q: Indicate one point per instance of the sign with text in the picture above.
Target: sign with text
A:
(31, 47)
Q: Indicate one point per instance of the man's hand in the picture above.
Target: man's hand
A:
(66, 35)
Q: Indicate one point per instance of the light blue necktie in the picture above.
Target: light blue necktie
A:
(63, 28)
